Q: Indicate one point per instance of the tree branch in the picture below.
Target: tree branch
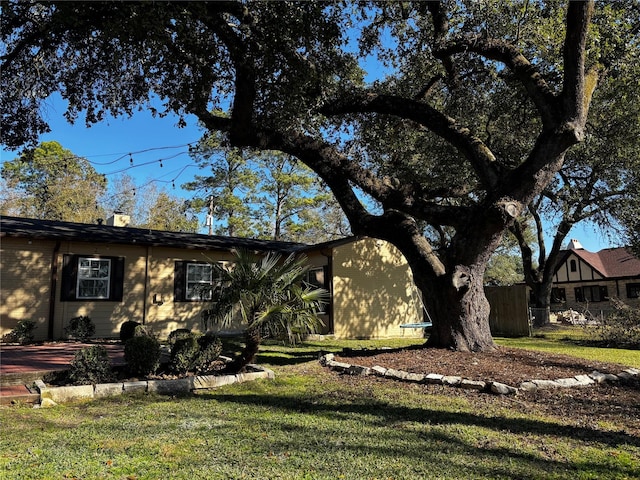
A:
(473, 148)
(576, 94)
(535, 85)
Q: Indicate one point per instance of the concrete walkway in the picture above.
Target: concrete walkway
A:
(20, 365)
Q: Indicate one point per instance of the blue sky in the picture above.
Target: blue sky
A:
(160, 153)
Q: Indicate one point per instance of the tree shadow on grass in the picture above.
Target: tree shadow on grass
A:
(386, 414)
(388, 431)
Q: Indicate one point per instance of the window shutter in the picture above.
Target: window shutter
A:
(179, 285)
(69, 278)
(117, 279)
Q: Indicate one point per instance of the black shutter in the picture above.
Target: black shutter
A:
(69, 278)
(179, 285)
(117, 279)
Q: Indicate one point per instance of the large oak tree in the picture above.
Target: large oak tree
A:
(412, 158)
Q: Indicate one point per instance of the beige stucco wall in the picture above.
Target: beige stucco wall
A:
(106, 315)
(373, 292)
(583, 271)
(170, 315)
(24, 284)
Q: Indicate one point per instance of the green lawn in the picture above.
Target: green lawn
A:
(312, 424)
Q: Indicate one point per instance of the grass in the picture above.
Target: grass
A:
(311, 424)
(573, 341)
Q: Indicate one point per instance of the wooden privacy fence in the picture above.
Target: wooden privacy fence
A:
(509, 311)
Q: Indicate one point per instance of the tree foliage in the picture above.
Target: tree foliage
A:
(270, 297)
(262, 195)
(465, 118)
(49, 182)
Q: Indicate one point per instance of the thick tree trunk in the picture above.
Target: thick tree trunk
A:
(452, 285)
(460, 314)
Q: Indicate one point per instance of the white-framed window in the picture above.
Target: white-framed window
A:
(194, 281)
(199, 281)
(93, 281)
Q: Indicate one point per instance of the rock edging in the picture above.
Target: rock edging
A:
(50, 396)
(595, 377)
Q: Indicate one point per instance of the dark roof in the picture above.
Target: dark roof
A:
(84, 232)
(611, 262)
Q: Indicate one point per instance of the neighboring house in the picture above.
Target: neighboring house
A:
(53, 271)
(591, 279)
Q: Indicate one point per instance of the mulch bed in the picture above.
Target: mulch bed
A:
(506, 365)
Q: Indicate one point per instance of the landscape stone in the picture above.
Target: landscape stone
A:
(393, 373)
(378, 370)
(451, 380)
(584, 380)
(472, 384)
(598, 377)
(567, 382)
(503, 389)
(139, 386)
(528, 386)
(434, 378)
(47, 403)
(339, 366)
(626, 375)
(358, 370)
(545, 383)
(173, 386)
(415, 377)
(212, 381)
(633, 371)
(63, 394)
(107, 389)
(328, 357)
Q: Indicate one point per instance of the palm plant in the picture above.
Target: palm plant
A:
(270, 297)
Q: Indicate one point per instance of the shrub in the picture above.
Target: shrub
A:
(622, 327)
(128, 330)
(91, 365)
(142, 354)
(144, 331)
(210, 350)
(176, 334)
(184, 354)
(80, 328)
(22, 332)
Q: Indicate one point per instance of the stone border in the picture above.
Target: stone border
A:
(50, 396)
(328, 360)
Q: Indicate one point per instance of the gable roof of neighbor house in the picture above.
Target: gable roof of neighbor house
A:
(610, 262)
(83, 232)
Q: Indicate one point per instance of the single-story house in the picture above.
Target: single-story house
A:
(51, 272)
(592, 278)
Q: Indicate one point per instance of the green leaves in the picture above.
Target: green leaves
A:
(268, 294)
(50, 182)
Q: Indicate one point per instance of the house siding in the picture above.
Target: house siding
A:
(373, 291)
(24, 289)
(106, 315)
